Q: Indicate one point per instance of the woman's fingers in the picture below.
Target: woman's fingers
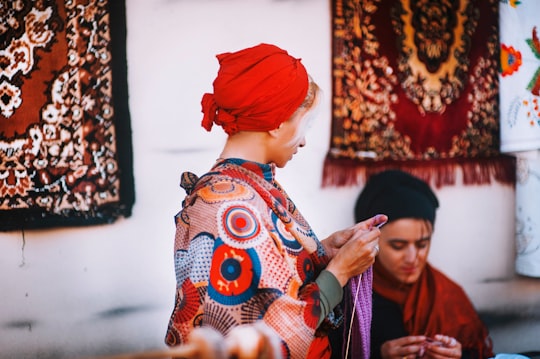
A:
(338, 239)
(445, 347)
(376, 221)
(355, 256)
(354, 249)
(404, 347)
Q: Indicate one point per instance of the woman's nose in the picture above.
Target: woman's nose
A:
(411, 254)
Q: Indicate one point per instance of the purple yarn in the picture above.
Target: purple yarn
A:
(359, 344)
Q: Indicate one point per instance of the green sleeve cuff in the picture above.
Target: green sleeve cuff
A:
(330, 291)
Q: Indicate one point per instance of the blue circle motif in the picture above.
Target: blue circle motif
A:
(234, 275)
(288, 240)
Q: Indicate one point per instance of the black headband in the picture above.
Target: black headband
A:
(398, 195)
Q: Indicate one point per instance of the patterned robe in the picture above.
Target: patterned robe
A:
(243, 253)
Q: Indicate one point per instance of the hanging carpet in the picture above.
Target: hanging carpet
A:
(415, 87)
(65, 135)
(520, 122)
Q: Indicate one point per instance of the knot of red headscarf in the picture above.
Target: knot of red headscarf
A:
(256, 89)
(213, 114)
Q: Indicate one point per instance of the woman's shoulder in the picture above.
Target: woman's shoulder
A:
(444, 283)
(219, 189)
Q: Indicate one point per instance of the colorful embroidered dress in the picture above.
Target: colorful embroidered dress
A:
(243, 253)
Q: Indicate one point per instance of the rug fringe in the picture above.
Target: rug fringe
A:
(341, 172)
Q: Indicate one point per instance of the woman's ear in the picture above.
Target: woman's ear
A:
(275, 132)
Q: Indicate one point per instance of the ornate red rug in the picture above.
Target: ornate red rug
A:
(415, 87)
(65, 133)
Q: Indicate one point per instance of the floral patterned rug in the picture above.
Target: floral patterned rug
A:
(415, 86)
(65, 135)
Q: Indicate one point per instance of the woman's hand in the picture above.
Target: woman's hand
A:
(353, 249)
(403, 348)
(445, 348)
(419, 346)
(336, 240)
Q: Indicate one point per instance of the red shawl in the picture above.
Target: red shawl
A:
(436, 305)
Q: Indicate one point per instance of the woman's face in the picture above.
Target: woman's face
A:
(292, 135)
(404, 247)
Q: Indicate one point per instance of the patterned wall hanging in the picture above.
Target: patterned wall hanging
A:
(520, 121)
(65, 135)
(528, 214)
(415, 86)
(520, 75)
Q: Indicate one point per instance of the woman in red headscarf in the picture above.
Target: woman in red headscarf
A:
(243, 252)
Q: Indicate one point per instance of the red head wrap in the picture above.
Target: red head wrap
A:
(256, 89)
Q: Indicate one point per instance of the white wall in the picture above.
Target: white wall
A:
(108, 289)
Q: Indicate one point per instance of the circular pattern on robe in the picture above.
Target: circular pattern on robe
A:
(182, 217)
(282, 211)
(239, 225)
(219, 317)
(255, 308)
(279, 197)
(305, 267)
(285, 351)
(173, 337)
(224, 190)
(286, 237)
(312, 309)
(187, 302)
(234, 274)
